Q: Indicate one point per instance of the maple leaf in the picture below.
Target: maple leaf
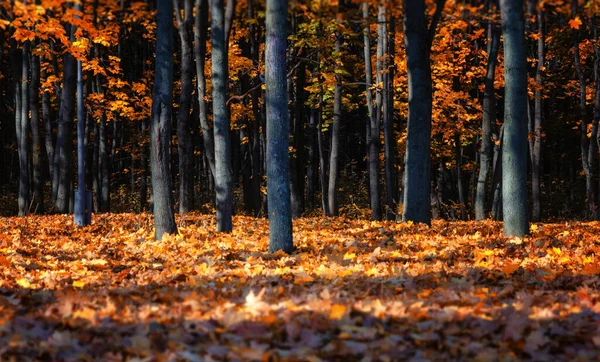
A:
(575, 23)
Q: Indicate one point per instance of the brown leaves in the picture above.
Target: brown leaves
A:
(355, 289)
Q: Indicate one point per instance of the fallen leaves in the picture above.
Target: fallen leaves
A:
(354, 289)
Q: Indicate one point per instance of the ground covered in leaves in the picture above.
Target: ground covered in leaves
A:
(354, 290)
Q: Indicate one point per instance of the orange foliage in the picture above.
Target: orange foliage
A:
(354, 289)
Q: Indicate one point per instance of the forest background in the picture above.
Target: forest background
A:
(348, 102)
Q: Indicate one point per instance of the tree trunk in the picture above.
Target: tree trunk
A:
(459, 179)
(160, 133)
(595, 140)
(536, 154)
(104, 204)
(200, 36)
(34, 100)
(514, 149)
(417, 159)
(49, 134)
(335, 136)
(185, 146)
(23, 134)
(223, 172)
(584, 140)
(298, 163)
(488, 121)
(373, 126)
(389, 136)
(278, 166)
(64, 139)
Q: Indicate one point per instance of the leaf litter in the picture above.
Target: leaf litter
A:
(354, 289)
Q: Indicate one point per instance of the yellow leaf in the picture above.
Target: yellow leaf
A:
(338, 311)
(78, 284)
(349, 256)
(24, 283)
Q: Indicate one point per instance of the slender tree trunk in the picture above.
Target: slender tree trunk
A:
(298, 162)
(514, 150)
(489, 118)
(24, 179)
(595, 140)
(584, 140)
(185, 146)
(417, 159)
(104, 167)
(64, 138)
(373, 125)
(536, 212)
(459, 179)
(389, 135)
(49, 134)
(223, 175)
(20, 61)
(278, 166)
(256, 111)
(200, 36)
(34, 100)
(160, 133)
(144, 167)
(335, 137)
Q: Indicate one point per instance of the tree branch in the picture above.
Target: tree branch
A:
(435, 20)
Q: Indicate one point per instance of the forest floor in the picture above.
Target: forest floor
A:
(354, 290)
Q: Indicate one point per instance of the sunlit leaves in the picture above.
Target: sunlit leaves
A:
(354, 288)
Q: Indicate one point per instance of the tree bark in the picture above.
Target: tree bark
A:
(185, 146)
(514, 149)
(160, 133)
(389, 136)
(278, 166)
(23, 134)
(223, 171)
(34, 100)
(489, 118)
(536, 154)
(417, 159)
(373, 125)
(200, 36)
(584, 140)
(595, 140)
(335, 136)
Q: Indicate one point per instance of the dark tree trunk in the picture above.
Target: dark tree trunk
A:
(160, 133)
(389, 136)
(488, 121)
(595, 140)
(49, 134)
(335, 137)
(185, 146)
(34, 100)
(373, 125)
(584, 140)
(536, 154)
(144, 167)
(459, 179)
(200, 36)
(64, 139)
(223, 171)
(22, 127)
(104, 203)
(514, 149)
(278, 166)
(299, 161)
(417, 159)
